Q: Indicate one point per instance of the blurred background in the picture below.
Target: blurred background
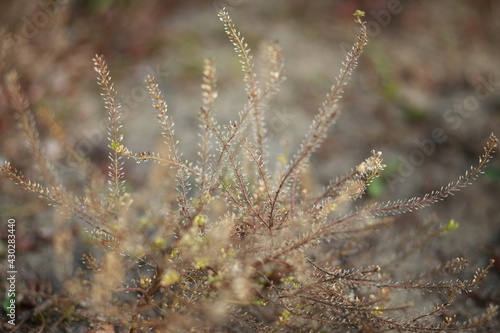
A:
(426, 93)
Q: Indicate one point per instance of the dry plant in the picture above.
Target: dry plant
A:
(236, 241)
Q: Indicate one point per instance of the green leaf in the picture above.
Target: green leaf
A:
(376, 188)
(452, 225)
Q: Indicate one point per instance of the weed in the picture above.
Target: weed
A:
(235, 241)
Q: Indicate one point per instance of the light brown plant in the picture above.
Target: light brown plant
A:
(238, 249)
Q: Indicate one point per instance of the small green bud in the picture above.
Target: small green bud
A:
(358, 14)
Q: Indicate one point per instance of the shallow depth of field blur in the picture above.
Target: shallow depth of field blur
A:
(426, 93)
